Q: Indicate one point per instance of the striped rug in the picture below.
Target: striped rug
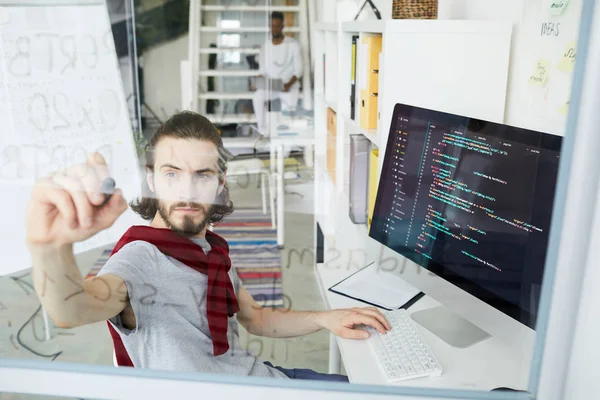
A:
(100, 262)
(254, 253)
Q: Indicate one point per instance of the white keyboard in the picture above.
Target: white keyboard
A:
(402, 353)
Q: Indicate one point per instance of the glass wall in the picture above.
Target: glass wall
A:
(273, 195)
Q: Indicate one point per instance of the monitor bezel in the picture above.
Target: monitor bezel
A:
(522, 135)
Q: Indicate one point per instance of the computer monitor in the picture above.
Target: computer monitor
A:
(471, 201)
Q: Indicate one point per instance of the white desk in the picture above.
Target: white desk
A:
(483, 366)
(245, 142)
(277, 144)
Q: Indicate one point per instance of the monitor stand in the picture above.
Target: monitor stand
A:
(450, 327)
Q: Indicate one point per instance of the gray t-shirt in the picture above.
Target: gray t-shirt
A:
(169, 302)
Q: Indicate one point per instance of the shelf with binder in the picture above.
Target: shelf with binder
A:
(320, 63)
(330, 64)
(351, 126)
(331, 104)
(358, 181)
(352, 231)
(372, 135)
(339, 221)
(358, 86)
(367, 87)
(323, 99)
(363, 179)
(332, 143)
(320, 163)
(373, 182)
(384, 62)
(326, 62)
(347, 73)
(371, 26)
(320, 121)
(325, 194)
(357, 54)
(331, 207)
(348, 239)
(323, 105)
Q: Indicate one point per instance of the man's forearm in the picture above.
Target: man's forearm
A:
(67, 297)
(287, 323)
(56, 278)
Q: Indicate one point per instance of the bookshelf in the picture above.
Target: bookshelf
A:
(368, 26)
(454, 66)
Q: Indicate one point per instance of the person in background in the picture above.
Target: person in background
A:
(280, 59)
(170, 295)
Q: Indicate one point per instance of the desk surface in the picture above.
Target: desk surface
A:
(240, 142)
(483, 366)
(295, 135)
(292, 137)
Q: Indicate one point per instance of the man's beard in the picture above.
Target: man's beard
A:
(189, 228)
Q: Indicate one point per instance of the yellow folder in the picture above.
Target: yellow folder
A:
(373, 183)
(373, 48)
(368, 109)
(331, 142)
(370, 88)
(331, 158)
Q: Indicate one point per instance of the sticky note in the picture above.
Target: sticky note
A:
(540, 73)
(567, 62)
(564, 110)
(557, 7)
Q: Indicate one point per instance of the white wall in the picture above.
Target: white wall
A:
(162, 88)
(538, 107)
(526, 106)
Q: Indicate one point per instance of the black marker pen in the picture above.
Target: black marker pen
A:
(107, 188)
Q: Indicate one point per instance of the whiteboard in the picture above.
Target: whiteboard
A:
(545, 36)
(61, 97)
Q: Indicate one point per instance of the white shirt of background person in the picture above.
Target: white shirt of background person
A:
(280, 58)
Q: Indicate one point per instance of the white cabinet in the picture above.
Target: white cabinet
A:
(460, 67)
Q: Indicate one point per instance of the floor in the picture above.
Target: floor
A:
(21, 324)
